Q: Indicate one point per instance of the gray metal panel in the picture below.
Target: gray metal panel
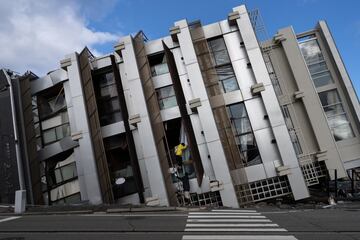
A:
(48, 81)
(58, 147)
(112, 129)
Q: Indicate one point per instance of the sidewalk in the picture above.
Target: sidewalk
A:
(111, 209)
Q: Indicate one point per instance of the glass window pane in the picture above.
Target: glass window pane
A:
(69, 171)
(337, 120)
(73, 198)
(159, 69)
(252, 157)
(247, 142)
(237, 110)
(225, 72)
(333, 110)
(158, 64)
(49, 136)
(322, 79)
(106, 79)
(58, 176)
(317, 67)
(113, 105)
(221, 57)
(230, 85)
(242, 125)
(166, 92)
(168, 102)
(342, 132)
(107, 119)
(329, 97)
(311, 51)
(59, 133)
(109, 91)
(217, 44)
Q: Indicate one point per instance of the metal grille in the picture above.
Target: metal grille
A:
(263, 189)
(208, 199)
(312, 171)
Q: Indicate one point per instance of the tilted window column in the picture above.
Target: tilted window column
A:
(336, 116)
(244, 135)
(51, 113)
(222, 63)
(315, 61)
(107, 98)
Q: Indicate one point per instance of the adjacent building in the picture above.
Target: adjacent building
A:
(260, 119)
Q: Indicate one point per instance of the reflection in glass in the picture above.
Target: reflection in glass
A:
(244, 136)
(336, 116)
(166, 97)
(315, 63)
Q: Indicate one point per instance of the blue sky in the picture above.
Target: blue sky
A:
(155, 17)
(39, 33)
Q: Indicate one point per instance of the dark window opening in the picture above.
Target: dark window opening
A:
(158, 64)
(107, 98)
(244, 135)
(175, 134)
(119, 163)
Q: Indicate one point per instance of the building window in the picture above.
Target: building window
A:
(336, 116)
(166, 97)
(65, 173)
(158, 64)
(55, 128)
(119, 163)
(290, 126)
(107, 98)
(51, 116)
(223, 66)
(244, 135)
(315, 61)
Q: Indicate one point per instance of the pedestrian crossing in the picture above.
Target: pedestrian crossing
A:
(223, 224)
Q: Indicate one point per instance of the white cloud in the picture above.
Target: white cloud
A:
(35, 35)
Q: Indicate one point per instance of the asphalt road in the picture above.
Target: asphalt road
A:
(320, 224)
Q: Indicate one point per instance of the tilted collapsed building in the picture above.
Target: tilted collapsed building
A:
(261, 120)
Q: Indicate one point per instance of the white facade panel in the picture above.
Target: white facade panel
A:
(235, 50)
(212, 30)
(256, 113)
(243, 73)
(162, 80)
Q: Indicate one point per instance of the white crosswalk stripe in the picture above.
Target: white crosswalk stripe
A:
(232, 225)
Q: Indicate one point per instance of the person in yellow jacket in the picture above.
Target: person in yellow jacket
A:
(179, 152)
